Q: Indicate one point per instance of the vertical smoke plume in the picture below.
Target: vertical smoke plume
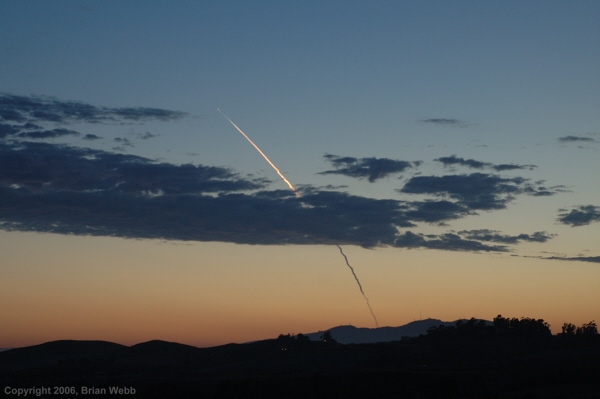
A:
(359, 285)
(262, 153)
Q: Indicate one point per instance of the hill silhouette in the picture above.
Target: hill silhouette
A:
(355, 335)
(470, 359)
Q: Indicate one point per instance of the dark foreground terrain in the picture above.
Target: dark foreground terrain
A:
(288, 367)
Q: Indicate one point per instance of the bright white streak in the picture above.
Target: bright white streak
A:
(263, 154)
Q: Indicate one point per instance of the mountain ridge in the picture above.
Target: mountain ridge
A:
(364, 335)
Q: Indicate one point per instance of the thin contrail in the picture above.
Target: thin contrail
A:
(263, 154)
(359, 285)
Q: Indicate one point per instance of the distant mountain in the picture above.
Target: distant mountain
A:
(355, 335)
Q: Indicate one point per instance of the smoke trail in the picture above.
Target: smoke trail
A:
(298, 195)
(359, 285)
(263, 154)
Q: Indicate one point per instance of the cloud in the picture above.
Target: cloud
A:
(432, 211)
(453, 160)
(476, 191)
(147, 136)
(47, 134)
(124, 142)
(471, 163)
(580, 216)
(68, 190)
(494, 236)
(370, 168)
(56, 188)
(445, 122)
(593, 259)
(37, 109)
(446, 241)
(570, 139)
(8, 130)
(442, 121)
(91, 137)
(48, 168)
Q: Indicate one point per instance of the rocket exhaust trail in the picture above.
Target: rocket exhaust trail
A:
(359, 285)
(298, 195)
(263, 154)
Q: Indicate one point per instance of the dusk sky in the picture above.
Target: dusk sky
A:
(451, 149)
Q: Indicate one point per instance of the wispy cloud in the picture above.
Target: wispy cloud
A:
(124, 142)
(495, 236)
(448, 241)
(21, 113)
(471, 163)
(450, 122)
(571, 139)
(371, 168)
(91, 137)
(48, 134)
(593, 259)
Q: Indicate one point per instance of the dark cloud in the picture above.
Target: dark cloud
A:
(450, 122)
(443, 121)
(43, 167)
(237, 218)
(8, 130)
(593, 259)
(454, 160)
(147, 136)
(580, 216)
(370, 168)
(446, 241)
(124, 142)
(476, 191)
(494, 236)
(471, 163)
(570, 139)
(62, 189)
(511, 166)
(34, 109)
(68, 190)
(48, 134)
(91, 137)
(431, 211)
(30, 126)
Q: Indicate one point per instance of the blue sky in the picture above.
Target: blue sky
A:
(467, 127)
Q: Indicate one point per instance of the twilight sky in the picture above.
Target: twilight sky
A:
(450, 148)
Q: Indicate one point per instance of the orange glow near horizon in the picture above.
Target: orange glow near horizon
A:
(206, 294)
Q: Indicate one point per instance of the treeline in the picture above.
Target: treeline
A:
(300, 340)
(524, 327)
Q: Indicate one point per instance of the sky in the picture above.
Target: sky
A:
(450, 149)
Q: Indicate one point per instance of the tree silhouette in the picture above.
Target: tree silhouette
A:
(588, 329)
(568, 330)
(328, 339)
